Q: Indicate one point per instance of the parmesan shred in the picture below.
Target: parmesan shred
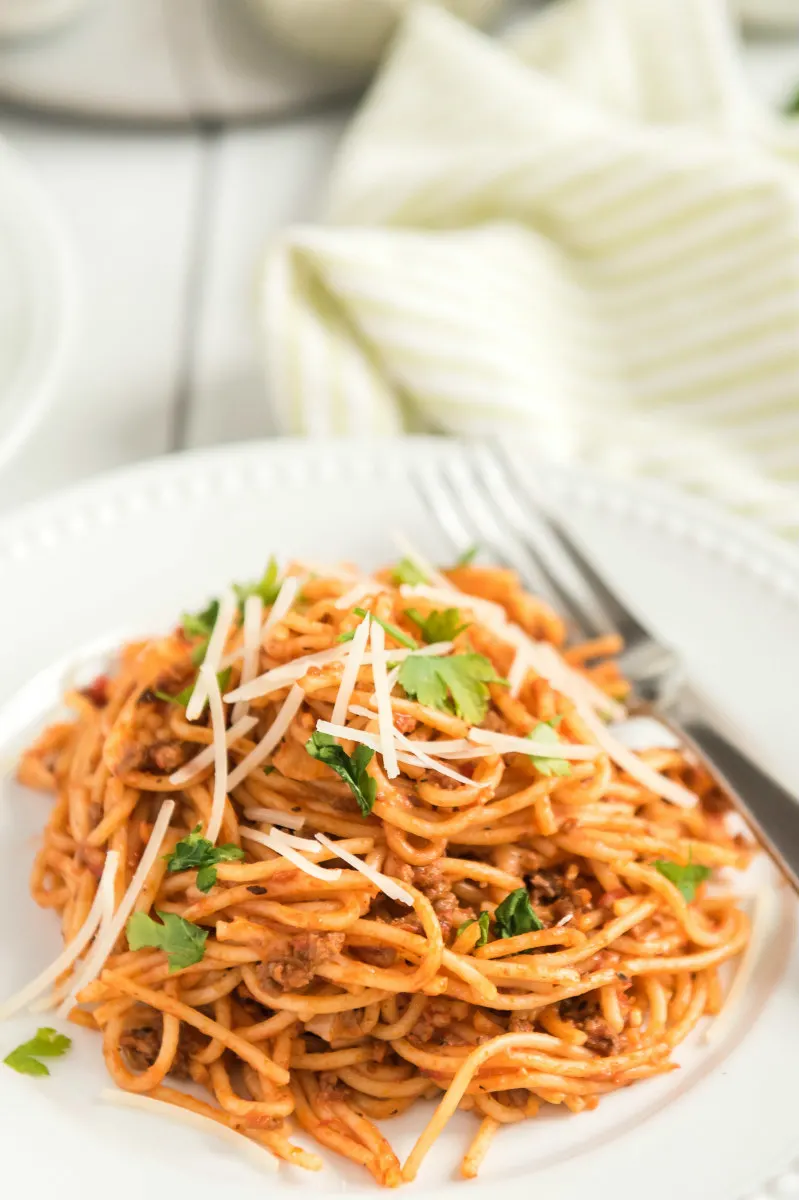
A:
(518, 671)
(253, 612)
(629, 761)
(425, 760)
(213, 655)
(65, 959)
(206, 757)
(762, 913)
(283, 602)
(349, 676)
(423, 564)
(259, 1156)
(505, 743)
(220, 753)
(278, 842)
(269, 741)
(384, 883)
(112, 927)
(385, 715)
(366, 587)
(275, 817)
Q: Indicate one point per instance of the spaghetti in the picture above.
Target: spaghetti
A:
(477, 924)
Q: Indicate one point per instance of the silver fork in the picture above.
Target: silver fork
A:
(477, 495)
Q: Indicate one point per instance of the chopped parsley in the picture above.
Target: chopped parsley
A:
(182, 698)
(467, 558)
(545, 732)
(515, 915)
(484, 921)
(47, 1044)
(200, 625)
(346, 637)
(458, 683)
(267, 587)
(351, 768)
(686, 878)
(182, 942)
(196, 851)
(404, 639)
(407, 572)
(439, 625)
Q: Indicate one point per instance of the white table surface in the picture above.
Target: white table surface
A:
(169, 229)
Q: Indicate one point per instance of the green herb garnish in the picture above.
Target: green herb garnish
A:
(47, 1044)
(439, 625)
(346, 637)
(267, 587)
(200, 625)
(515, 915)
(182, 942)
(484, 921)
(791, 105)
(458, 683)
(407, 571)
(404, 639)
(545, 732)
(195, 851)
(468, 557)
(351, 768)
(182, 698)
(686, 878)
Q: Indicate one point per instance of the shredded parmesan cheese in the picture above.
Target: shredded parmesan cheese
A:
(206, 756)
(273, 735)
(278, 842)
(213, 655)
(366, 587)
(275, 816)
(518, 671)
(349, 675)
(629, 761)
(283, 602)
(425, 760)
(253, 611)
(111, 928)
(280, 677)
(68, 955)
(220, 753)
(384, 883)
(506, 744)
(385, 716)
(186, 1116)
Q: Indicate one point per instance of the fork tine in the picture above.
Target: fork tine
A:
(618, 616)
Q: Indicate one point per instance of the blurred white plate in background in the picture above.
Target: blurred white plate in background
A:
(38, 299)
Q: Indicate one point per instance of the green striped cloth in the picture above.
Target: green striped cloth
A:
(590, 232)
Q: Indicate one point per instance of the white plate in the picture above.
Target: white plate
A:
(127, 552)
(37, 301)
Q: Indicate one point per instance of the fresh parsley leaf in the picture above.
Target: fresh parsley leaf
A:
(404, 639)
(515, 915)
(484, 921)
(47, 1044)
(545, 732)
(196, 851)
(439, 625)
(468, 557)
(791, 105)
(351, 768)
(407, 572)
(686, 878)
(182, 942)
(201, 624)
(182, 698)
(267, 587)
(463, 677)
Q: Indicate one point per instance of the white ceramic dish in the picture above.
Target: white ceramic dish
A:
(38, 300)
(129, 551)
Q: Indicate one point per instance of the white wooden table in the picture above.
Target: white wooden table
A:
(169, 229)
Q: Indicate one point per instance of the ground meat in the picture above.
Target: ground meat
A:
(97, 691)
(404, 723)
(141, 1046)
(294, 964)
(435, 886)
(583, 1011)
(520, 1024)
(166, 756)
(256, 890)
(377, 956)
(556, 888)
(410, 923)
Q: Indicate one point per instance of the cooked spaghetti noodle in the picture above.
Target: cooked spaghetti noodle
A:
(346, 978)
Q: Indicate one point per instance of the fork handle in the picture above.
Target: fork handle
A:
(769, 808)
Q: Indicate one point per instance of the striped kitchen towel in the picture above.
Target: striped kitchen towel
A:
(590, 232)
